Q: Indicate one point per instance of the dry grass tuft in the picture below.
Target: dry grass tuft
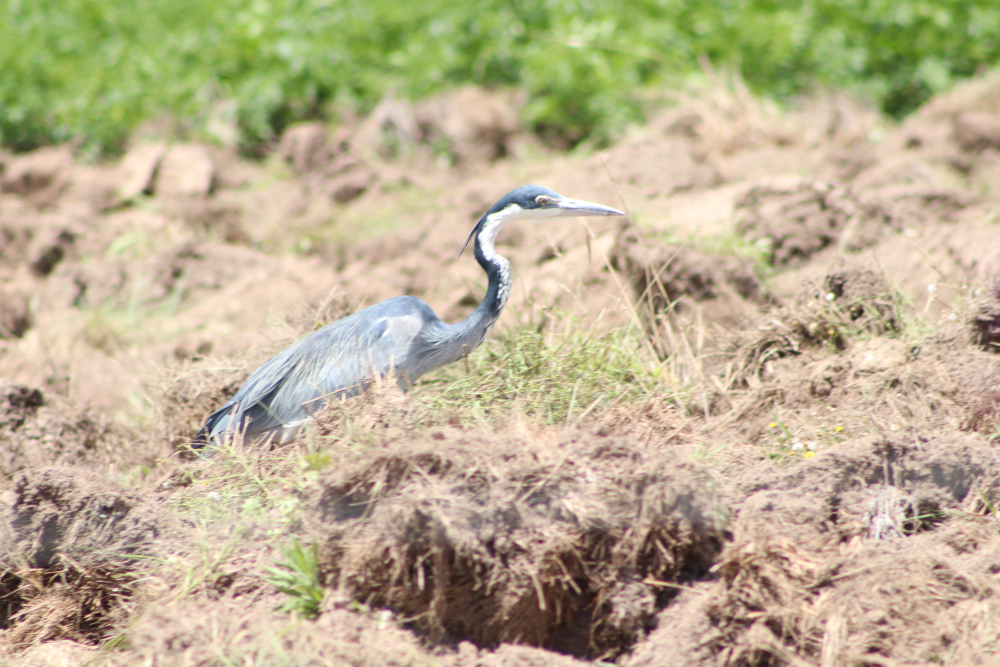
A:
(83, 602)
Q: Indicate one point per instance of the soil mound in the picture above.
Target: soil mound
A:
(471, 125)
(987, 320)
(566, 546)
(847, 304)
(191, 633)
(880, 556)
(841, 343)
(656, 167)
(66, 548)
(799, 221)
(59, 511)
(34, 433)
(858, 299)
(666, 275)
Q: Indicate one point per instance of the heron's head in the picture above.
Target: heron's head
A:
(533, 202)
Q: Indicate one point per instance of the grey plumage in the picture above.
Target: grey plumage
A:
(401, 335)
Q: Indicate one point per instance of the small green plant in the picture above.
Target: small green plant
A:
(314, 461)
(297, 576)
(988, 507)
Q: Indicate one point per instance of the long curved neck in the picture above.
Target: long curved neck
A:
(471, 331)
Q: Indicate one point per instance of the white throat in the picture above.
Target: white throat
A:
(495, 221)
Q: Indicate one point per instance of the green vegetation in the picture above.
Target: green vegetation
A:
(555, 378)
(92, 70)
(297, 576)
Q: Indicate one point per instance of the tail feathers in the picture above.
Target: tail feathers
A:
(204, 440)
(204, 437)
(255, 423)
(218, 422)
(201, 440)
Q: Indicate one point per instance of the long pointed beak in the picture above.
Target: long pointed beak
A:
(583, 208)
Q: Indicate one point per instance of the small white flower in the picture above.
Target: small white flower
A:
(932, 288)
(811, 445)
(830, 296)
(797, 446)
(214, 496)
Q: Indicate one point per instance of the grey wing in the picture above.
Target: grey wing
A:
(345, 364)
(338, 360)
(252, 400)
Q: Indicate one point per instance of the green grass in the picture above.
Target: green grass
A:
(297, 576)
(556, 378)
(92, 70)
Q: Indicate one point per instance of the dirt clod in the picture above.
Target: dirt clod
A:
(137, 170)
(306, 147)
(186, 170)
(860, 551)
(15, 307)
(470, 125)
(862, 296)
(986, 321)
(499, 541)
(801, 220)
(977, 131)
(34, 433)
(40, 176)
(58, 511)
(663, 275)
(48, 252)
(191, 393)
(66, 545)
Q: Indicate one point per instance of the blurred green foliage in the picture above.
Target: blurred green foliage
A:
(92, 70)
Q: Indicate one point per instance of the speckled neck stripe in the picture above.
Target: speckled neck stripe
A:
(487, 238)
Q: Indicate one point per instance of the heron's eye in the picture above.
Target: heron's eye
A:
(542, 200)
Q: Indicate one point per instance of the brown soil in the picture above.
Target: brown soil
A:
(36, 430)
(562, 546)
(799, 221)
(70, 541)
(815, 480)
